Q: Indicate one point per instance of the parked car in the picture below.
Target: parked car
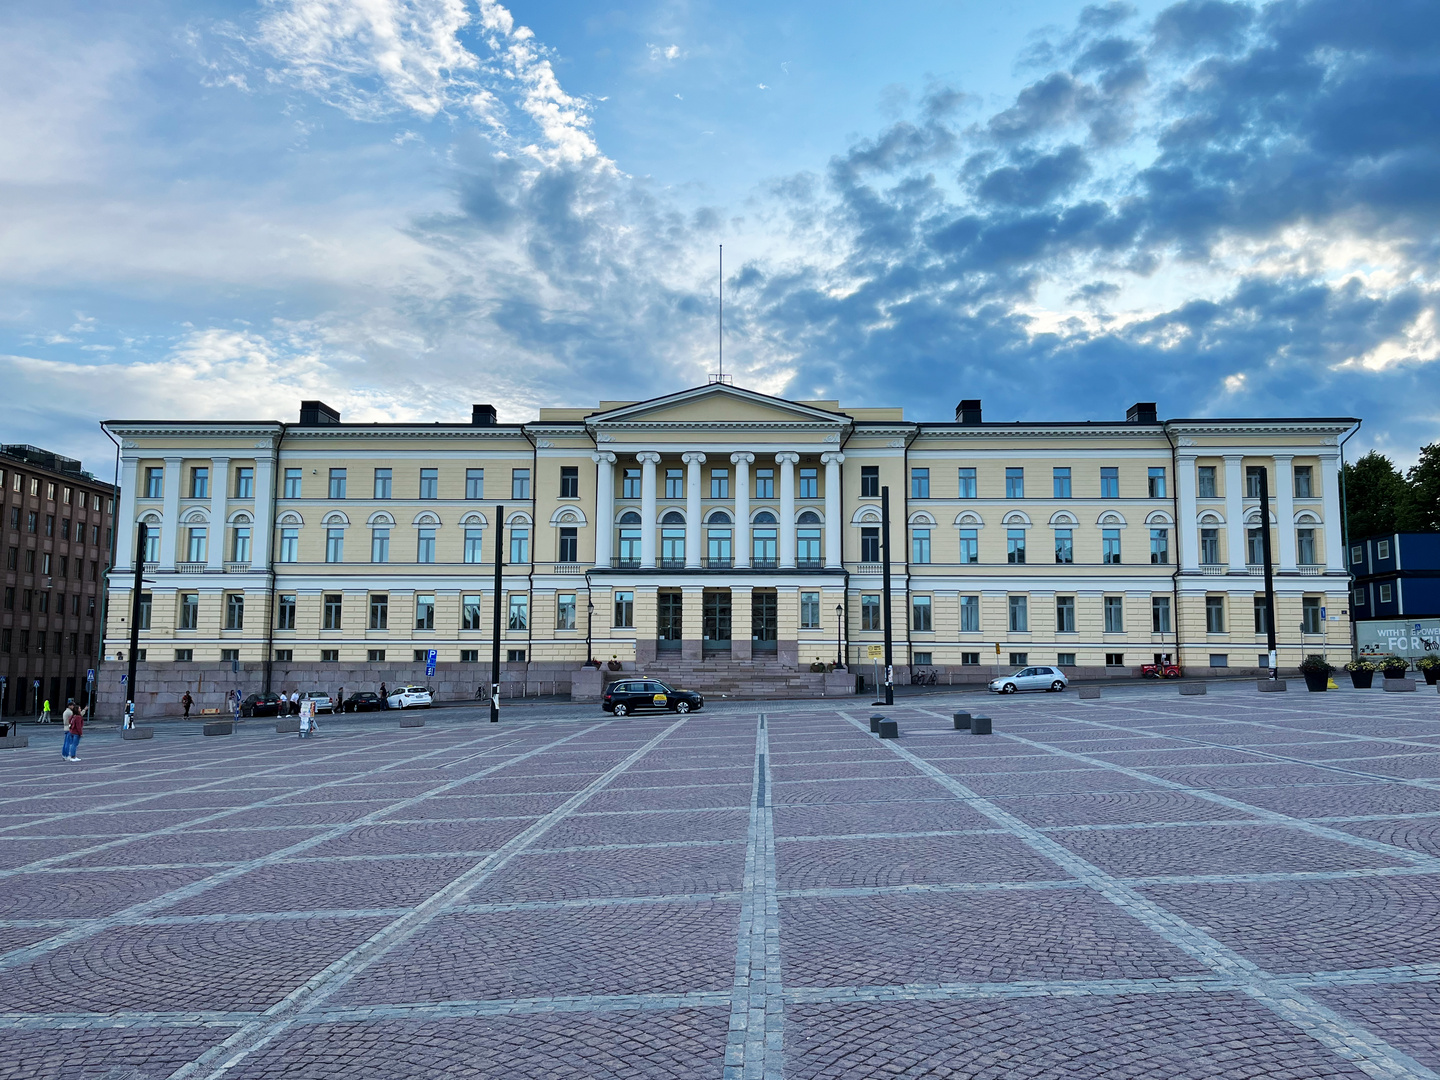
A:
(410, 697)
(631, 695)
(320, 698)
(260, 705)
(1030, 678)
(364, 701)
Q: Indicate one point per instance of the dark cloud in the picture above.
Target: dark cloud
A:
(1196, 26)
(1035, 179)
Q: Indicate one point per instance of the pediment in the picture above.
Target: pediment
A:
(718, 405)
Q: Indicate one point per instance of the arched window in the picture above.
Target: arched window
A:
(630, 517)
(674, 517)
(764, 517)
(809, 517)
(719, 517)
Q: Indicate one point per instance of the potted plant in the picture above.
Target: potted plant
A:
(1429, 666)
(1394, 667)
(1362, 673)
(1316, 670)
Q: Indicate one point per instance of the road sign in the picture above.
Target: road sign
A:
(876, 652)
(1322, 614)
(430, 664)
(124, 678)
(90, 674)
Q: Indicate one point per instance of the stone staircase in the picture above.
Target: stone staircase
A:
(750, 679)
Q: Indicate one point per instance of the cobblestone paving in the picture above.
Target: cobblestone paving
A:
(1146, 886)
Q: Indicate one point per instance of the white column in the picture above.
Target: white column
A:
(1330, 492)
(742, 463)
(693, 460)
(1235, 512)
(1285, 511)
(1187, 529)
(170, 527)
(126, 530)
(787, 462)
(219, 481)
(604, 506)
(833, 556)
(264, 512)
(648, 460)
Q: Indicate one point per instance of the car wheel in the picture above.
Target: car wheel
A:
(1057, 686)
(682, 706)
(1008, 688)
(621, 708)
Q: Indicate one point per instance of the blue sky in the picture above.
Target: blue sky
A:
(405, 206)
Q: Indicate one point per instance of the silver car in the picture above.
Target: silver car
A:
(320, 698)
(1030, 678)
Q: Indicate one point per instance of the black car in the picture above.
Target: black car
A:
(362, 702)
(260, 705)
(631, 695)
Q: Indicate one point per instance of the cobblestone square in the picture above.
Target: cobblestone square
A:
(1148, 886)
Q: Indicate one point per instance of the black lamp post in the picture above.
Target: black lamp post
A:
(839, 635)
(589, 622)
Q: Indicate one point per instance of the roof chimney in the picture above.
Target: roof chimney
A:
(482, 416)
(968, 411)
(1142, 412)
(313, 413)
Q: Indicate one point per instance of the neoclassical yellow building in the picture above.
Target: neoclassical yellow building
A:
(719, 534)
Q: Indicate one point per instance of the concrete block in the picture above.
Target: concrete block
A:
(14, 742)
(875, 721)
(962, 721)
(586, 684)
(1192, 689)
(1271, 686)
(889, 729)
(220, 727)
(1399, 686)
(134, 733)
(1089, 693)
(980, 724)
(412, 721)
(285, 726)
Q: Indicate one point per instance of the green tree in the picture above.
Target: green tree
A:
(1375, 494)
(1420, 511)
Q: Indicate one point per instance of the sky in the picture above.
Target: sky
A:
(214, 209)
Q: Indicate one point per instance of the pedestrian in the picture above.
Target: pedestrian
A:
(384, 697)
(45, 713)
(339, 705)
(69, 712)
(186, 702)
(74, 729)
(295, 701)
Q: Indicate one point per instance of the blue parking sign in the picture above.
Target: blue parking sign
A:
(430, 664)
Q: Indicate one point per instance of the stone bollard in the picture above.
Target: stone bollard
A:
(412, 721)
(1399, 686)
(1192, 689)
(290, 726)
(1089, 693)
(1271, 686)
(130, 734)
(14, 742)
(962, 721)
(889, 729)
(980, 724)
(875, 720)
(220, 727)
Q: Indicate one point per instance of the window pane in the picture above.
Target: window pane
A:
(1157, 482)
(425, 546)
(1065, 614)
(473, 538)
(969, 546)
(967, 483)
(429, 483)
(1110, 545)
(719, 483)
(1160, 614)
(474, 483)
(1114, 614)
(1159, 545)
(1110, 483)
(1019, 614)
(970, 614)
(920, 610)
(1205, 486)
(1014, 483)
(520, 483)
(920, 546)
(1304, 484)
(919, 483)
(1064, 545)
(1062, 483)
(424, 613)
(337, 483)
(382, 483)
(1015, 545)
(380, 545)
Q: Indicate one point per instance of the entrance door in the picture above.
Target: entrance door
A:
(763, 623)
(717, 621)
(669, 622)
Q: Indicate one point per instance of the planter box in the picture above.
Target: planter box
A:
(131, 734)
(1399, 686)
(1192, 689)
(1432, 676)
(220, 727)
(1362, 680)
(14, 742)
(412, 721)
(1271, 686)
(1316, 684)
(1089, 693)
(287, 726)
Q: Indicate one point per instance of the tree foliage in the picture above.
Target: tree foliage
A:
(1380, 499)
(1421, 512)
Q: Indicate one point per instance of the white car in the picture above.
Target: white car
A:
(321, 699)
(409, 697)
(1030, 678)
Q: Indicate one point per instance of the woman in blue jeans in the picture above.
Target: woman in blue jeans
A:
(73, 732)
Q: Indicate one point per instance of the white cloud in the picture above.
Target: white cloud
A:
(664, 53)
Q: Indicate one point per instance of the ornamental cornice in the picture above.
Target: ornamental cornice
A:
(152, 429)
(718, 425)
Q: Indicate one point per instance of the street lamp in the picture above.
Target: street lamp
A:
(839, 635)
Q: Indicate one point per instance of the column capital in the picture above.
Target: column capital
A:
(1283, 457)
(787, 457)
(743, 457)
(603, 457)
(693, 457)
(648, 457)
(219, 457)
(832, 458)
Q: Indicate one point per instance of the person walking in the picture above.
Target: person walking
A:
(74, 729)
(295, 701)
(186, 702)
(339, 705)
(45, 713)
(384, 697)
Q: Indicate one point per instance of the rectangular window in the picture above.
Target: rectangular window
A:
(330, 611)
(285, 612)
(33, 521)
(240, 549)
(569, 482)
(473, 545)
(919, 483)
(1015, 545)
(1110, 546)
(384, 483)
(1156, 478)
(292, 484)
(329, 656)
(672, 547)
(1214, 614)
(810, 611)
(474, 483)
(1065, 659)
(45, 560)
(1114, 614)
(1160, 614)
(1159, 545)
(519, 613)
(374, 656)
(49, 524)
(1254, 547)
(519, 545)
(1252, 480)
(1210, 546)
(379, 611)
(923, 658)
(719, 483)
(1114, 659)
(920, 614)
(515, 656)
(1014, 483)
(869, 481)
(1385, 594)
(1019, 614)
(674, 483)
(244, 482)
(625, 610)
(629, 547)
(337, 483)
(967, 484)
(969, 546)
(920, 546)
(189, 611)
(1305, 547)
(870, 618)
(1357, 597)
(419, 656)
(1062, 483)
(1304, 482)
(810, 484)
(234, 611)
(425, 612)
(718, 547)
(184, 656)
(1019, 659)
(425, 545)
(969, 614)
(565, 611)
(764, 483)
(1064, 614)
(65, 530)
(1064, 545)
(1382, 548)
(630, 484)
(1310, 615)
(1109, 483)
(1205, 481)
(1261, 622)
(569, 544)
(334, 545)
(970, 659)
(199, 483)
(379, 545)
(147, 606)
(30, 560)
(1219, 660)
(470, 613)
(869, 544)
(520, 483)
(196, 550)
(430, 483)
